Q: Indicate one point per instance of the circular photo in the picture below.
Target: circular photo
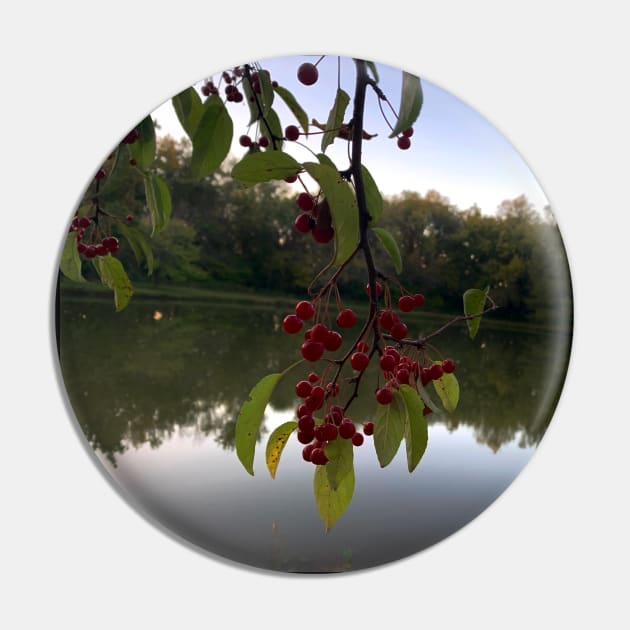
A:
(313, 314)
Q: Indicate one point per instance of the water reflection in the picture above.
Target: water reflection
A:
(134, 379)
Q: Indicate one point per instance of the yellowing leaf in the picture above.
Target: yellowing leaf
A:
(276, 443)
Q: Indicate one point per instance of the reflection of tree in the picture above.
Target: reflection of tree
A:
(134, 381)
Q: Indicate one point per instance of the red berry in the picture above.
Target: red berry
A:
(408, 132)
(386, 320)
(303, 223)
(111, 244)
(333, 341)
(305, 310)
(425, 376)
(306, 424)
(292, 133)
(379, 289)
(426, 411)
(81, 248)
(359, 361)
(292, 324)
(406, 303)
(330, 432)
(384, 396)
(346, 429)
(323, 236)
(357, 439)
(313, 404)
(100, 174)
(307, 74)
(290, 179)
(302, 411)
(84, 222)
(436, 371)
(318, 457)
(448, 365)
(403, 376)
(368, 428)
(205, 90)
(362, 347)
(303, 389)
(245, 141)
(346, 318)
(305, 202)
(129, 218)
(318, 393)
(304, 437)
(404, 143)
(399, 331)
(418, 300)
(388, 362)
(312, 350)
(319, 332)
(312, 377)
(306, 452)
(391, 350)
(101, 250)
(263, 141)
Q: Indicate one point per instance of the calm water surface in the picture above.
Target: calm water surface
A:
(157, 400)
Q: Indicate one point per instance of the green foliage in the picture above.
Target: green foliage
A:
(143, 149)
(139, 244)
(343, 208)
(447, 388)
(275, 445)
(114, 276)
(474, 302)
(266, 93)
(188, 107)
(331, 503)
(276, 130)
(410, 103)
(391, 247)
(294, 106)
(340, 455)
(335, 118)
(250, 417)
(373, 197)
(389, 429)
(212, 138)
(263, 167)
(158, 201)
(70, 265)
(416, 427)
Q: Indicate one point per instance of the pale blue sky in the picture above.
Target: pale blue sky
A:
(454, 150)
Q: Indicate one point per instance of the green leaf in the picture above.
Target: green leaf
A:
(250, 417)
(294, 106)
(331, 504)
(389, 428)
(474, 301)
(114, 276)
(85, 209)
(373, 197)
(343, 208)
(70, 264)
(340, 455)
(212, 139)
(250, 99)
(389, 243)
(143, 149)
(276, 443)
(416, 428)
(266, 92)
(265, 166)
(410, 103)
(276, 129)
(188, 107)
(372, 67)
(158, 201)
(447, 389)
(335, 118)
(326, 161)
(139, 244)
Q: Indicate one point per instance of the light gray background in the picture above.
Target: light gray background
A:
(553, 550)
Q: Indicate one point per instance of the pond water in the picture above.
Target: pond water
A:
(157, 397)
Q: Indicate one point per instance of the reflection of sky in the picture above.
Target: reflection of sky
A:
(454, 150)
(202, 492)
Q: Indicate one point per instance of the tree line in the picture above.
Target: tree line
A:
(226, 236)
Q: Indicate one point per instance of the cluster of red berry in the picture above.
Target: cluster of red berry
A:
(314, 218)
(107, 245)
(403, 140)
